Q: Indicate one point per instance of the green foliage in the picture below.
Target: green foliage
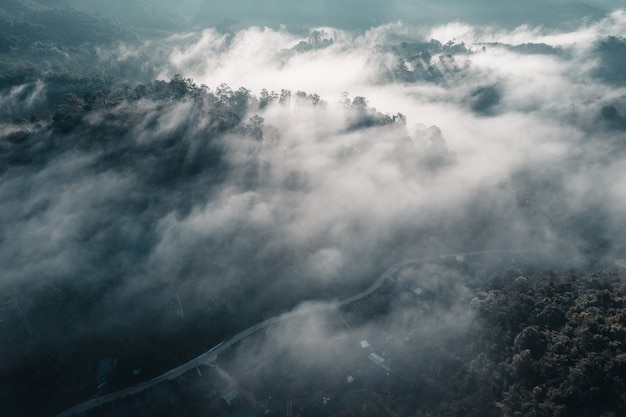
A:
(612, 54)
(66, 26)
(426, 61)
(566, 344)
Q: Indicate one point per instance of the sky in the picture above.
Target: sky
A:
(359, 15)
(515, 115)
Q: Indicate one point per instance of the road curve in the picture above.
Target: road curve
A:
(212, 354)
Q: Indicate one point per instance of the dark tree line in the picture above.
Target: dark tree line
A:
(54, 328)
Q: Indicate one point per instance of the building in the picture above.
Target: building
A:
(377, 360)
(230, 396)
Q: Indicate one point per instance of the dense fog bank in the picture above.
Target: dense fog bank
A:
(164, 187)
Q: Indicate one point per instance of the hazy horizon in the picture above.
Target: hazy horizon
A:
(351, 14)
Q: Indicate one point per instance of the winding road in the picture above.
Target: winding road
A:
(212, 354)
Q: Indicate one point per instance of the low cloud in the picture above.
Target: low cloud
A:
(22, 99)
(191, 198)
(326, 195)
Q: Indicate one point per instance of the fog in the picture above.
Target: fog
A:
(269, 166)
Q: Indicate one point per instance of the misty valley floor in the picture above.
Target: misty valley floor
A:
(546, 344)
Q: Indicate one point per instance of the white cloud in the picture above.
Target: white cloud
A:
(328, 203)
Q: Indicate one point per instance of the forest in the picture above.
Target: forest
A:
(165, 185)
